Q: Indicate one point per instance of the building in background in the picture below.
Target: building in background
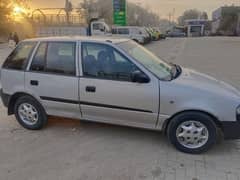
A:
(197, 27)
(226, 21)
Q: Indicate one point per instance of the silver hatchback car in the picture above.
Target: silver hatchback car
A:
(119, 82)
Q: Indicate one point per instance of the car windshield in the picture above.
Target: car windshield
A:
(160, 68)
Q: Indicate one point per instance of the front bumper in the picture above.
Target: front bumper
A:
(231, 129)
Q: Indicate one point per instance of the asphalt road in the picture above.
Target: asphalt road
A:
(70, 149)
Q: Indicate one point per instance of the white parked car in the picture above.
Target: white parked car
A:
(130, 32)
(117, 81)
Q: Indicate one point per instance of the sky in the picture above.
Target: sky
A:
(162, 7)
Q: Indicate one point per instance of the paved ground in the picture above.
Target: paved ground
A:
(69, 149)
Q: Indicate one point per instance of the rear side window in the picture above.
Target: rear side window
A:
(97, 26)
(123, 31)
(55, 57)
(18, 59)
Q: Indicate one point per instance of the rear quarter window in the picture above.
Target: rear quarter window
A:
(18, 59)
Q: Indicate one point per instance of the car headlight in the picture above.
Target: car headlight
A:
(238, 113)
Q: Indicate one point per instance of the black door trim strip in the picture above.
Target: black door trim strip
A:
(113, 107)
(92, 104)
(59, 100)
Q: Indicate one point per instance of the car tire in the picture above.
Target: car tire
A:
(192, 132)
(135, 40)
(30, 113)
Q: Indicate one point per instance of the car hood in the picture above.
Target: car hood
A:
(190, 77)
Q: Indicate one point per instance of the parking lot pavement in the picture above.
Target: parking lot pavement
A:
(70, 149)
(216, 56)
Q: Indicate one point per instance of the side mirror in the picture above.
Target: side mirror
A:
(37, 67)
(139, 77)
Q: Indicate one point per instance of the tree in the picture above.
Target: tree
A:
(99, 8)
(192, 14)
(136, 15)
(140, 16)
(189, 14)
(204, 16)
(68, 10)
(229, 24)
(6, 10)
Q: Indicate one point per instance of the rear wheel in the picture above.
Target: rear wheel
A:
(192, 132)
(29, 113)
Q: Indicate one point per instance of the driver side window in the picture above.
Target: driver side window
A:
(98, 26)
(104, 62)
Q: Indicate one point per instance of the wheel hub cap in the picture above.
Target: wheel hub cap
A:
(28, 114)
(192, 134)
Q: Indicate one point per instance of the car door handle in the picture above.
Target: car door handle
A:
(34, 83)
(91, 89)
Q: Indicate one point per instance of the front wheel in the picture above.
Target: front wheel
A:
(192, 132)
(29, 113)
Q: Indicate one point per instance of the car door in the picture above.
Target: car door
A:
(12, 72)
(124, 33)
(107, 93)
(97, 28)
(52, 78)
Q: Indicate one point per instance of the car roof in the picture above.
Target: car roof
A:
(108, 39)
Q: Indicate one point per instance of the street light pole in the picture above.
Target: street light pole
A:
(173, 15)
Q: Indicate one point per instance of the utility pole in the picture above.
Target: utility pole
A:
(169, 16)
(68, 9)
(173, 15)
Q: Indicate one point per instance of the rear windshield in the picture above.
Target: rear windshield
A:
(18, 59)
